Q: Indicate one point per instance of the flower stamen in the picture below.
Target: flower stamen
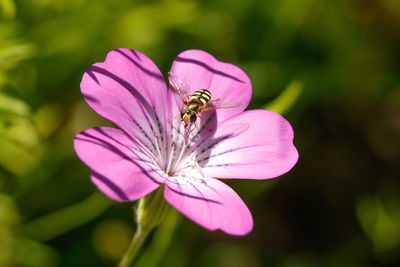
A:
(170, 158)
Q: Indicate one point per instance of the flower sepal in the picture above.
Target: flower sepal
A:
(152, 209)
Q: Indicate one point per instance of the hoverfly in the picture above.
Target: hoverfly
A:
(195, 103)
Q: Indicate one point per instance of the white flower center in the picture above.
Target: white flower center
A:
(178, 162)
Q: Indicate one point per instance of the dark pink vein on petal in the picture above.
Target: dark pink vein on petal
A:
(115, 188)
(115, 150)
(192, 196)
(202, 64)
(148, 72)
(227, 151)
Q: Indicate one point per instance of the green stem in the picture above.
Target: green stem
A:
(136, 243)
(285, 101)
(151, 211)
(66, 219)
(161, 240)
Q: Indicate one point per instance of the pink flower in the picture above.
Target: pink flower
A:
(149, 149)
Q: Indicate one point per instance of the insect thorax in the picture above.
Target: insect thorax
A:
(193, 105)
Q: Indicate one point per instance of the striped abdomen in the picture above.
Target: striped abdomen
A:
(202, 97)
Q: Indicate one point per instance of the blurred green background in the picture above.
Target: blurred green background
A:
(331, 67)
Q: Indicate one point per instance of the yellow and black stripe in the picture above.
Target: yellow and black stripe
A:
(201, 96)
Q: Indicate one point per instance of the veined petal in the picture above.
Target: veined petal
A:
(116, 169)
(216, 206)
(256, 144)
(154, 148)
(225, 81)
(129, 90)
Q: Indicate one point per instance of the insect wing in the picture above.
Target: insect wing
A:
(179, 86)
(222, 103)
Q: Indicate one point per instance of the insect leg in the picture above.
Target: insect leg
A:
(174, 118)
(204, 122)
(195, 126)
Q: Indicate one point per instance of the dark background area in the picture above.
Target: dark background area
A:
(330, 67)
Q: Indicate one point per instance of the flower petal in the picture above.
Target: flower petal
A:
(227, 83)
(256, 144)
(217, 206)
(116, 171)
(129, 90)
